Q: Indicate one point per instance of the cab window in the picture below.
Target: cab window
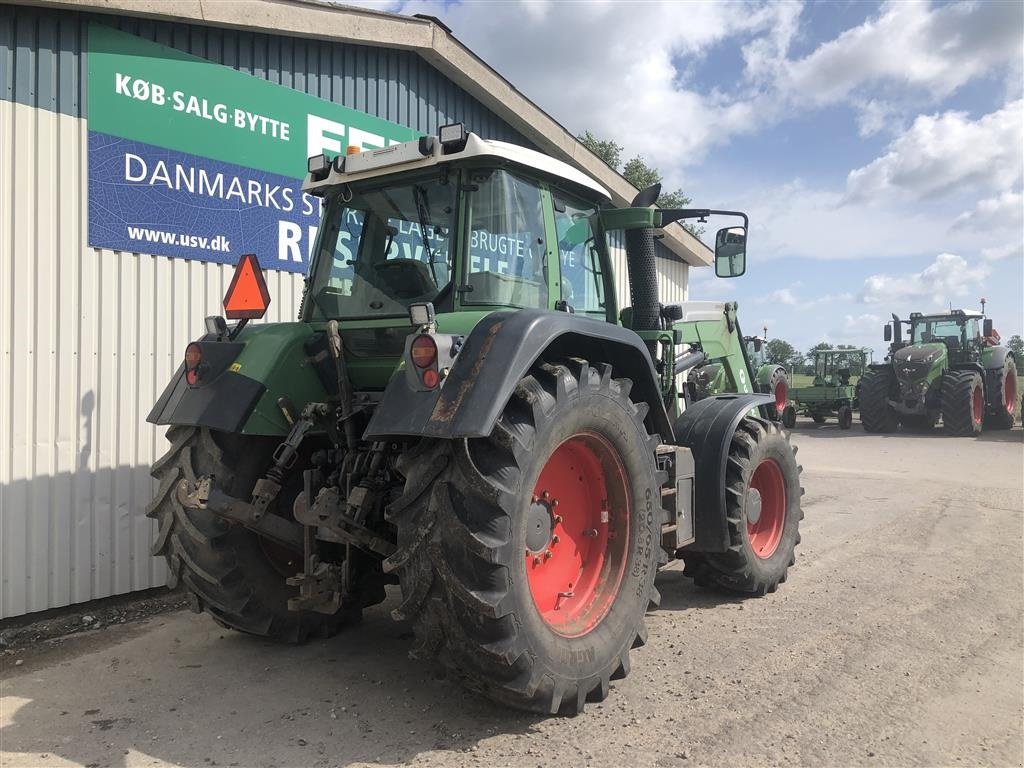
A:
(582, 278)
(507, 263)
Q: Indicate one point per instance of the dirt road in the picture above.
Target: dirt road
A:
(896, 641)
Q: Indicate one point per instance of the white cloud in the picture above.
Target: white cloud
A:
(1003, 252)
(914, 44)
(624, 72)
(862, 324)
(1005, 211)
(782, 296)
(948, 277)
(942, 153)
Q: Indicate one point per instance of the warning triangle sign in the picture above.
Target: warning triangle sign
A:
(247, 296)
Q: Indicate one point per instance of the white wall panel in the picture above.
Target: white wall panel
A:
(89, 337)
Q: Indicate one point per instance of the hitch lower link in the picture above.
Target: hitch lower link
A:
(205, 494)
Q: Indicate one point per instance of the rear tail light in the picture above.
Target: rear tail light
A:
(193, 359)
(431, 378)
(424, 353)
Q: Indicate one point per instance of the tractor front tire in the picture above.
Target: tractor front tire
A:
(763, 514)
(963, 403)
(230, 572)
(845, 417)
(1004, 401)
(527, 559)
(789, 417)
(778, 388)
(875, 412)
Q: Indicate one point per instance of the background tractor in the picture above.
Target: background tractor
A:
(834, 390)
(952, 366)
(734, 363)
(460, 410)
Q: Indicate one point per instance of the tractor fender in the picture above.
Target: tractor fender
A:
(996, 358)
(706, 428)
(497, 353)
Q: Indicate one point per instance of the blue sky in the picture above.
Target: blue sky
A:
(878, 147)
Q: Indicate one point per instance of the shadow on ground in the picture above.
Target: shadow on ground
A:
(192, 694)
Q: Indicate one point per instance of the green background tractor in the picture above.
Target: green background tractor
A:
(460, 411)
(834, 389)
(952, 367)
(727, 370)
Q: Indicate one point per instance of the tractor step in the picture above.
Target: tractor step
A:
(676, 495)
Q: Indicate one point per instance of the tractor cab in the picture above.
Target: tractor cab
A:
(959, 331)
(461, 222)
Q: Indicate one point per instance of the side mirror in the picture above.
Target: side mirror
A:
(731, 251)
(987, 325)
(887, 333)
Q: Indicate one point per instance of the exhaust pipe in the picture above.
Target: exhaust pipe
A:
(643, 269)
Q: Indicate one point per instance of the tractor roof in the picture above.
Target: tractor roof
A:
(951, 313)
(418, 154)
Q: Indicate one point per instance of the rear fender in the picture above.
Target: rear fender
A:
(706, 428)
(246, 377)
(499, 352)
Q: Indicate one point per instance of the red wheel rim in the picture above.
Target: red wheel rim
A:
(578, 530)
(765, 532)
(1010, 391)
(977, 405)
(781, 396)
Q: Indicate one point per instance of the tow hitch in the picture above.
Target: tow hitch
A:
(204, 494)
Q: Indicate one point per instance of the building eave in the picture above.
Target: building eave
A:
(430, 40)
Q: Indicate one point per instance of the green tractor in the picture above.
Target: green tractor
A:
(459, 411)
(727, 371)
(952, 367)
(833, 391)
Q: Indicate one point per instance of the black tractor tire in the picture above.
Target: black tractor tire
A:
(467, 538)
(1003, 402)
(845, 417)
(818, 418)
(963, 403)
(230, 572)
(753, 565)
(875, 412)
(777, 387)
(789, 417)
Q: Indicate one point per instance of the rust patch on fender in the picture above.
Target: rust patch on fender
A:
(446, 408)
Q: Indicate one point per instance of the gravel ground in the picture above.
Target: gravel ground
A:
(896, 641)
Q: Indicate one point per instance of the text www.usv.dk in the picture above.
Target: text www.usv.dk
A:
(218, 243)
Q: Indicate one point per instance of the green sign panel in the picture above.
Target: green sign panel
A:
(161, 96)
(194, 160)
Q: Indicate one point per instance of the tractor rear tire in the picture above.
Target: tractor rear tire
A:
(763, 514)
(777, 387)
(231, 573)
(1004, 402)
(875, 412)
(527, 559)
(963, 403)
(845, 417)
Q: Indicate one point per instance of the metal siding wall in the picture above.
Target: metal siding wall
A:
(90, 336)
(43, 64)
(673, 275)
